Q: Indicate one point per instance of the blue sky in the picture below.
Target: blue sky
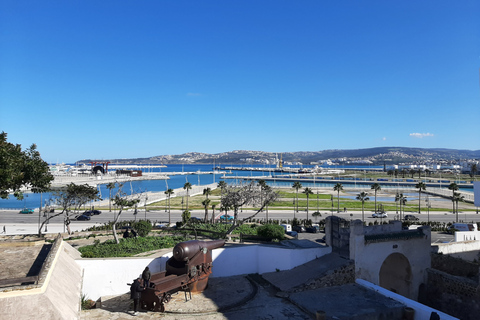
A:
(124, 79)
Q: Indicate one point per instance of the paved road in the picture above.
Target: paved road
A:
(12, 216)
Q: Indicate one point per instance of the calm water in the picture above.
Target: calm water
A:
(33, 200)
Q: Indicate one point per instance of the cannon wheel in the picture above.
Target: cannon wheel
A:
(159, 307)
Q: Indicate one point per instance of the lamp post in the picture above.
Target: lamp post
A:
(428, 209)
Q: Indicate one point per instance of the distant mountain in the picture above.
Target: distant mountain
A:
(377, 155)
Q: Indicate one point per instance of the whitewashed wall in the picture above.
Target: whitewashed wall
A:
(468, 250)
(104, 277)
(422, 312)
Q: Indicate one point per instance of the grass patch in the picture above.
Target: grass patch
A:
(129, 247)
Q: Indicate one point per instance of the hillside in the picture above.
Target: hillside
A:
(377, 155)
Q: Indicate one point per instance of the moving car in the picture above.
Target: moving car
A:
(92, 212)
(25, 210)
(410, 217)
(380, 215)
(227, 218)
(83, 218)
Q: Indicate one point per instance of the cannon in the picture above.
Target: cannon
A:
(187, 270)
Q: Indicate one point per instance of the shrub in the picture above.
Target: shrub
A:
(271, 231)
(186, 216)
(142, 227)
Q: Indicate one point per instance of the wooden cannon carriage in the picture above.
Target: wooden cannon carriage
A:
(188, 270)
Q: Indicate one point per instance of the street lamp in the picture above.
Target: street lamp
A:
(428, 209)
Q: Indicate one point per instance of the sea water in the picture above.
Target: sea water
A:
(33, 200)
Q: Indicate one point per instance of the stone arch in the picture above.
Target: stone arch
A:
(396, 274)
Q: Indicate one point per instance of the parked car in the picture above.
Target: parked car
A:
(83, 218)
(313, 229)
(292, 234)
(25, 210)
(299, 229)
(380, 215)
(195, 220)
(410, 217)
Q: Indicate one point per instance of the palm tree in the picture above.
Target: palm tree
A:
(308, 192)
(338, 187)
(420, 186)
(363, 196)
(456, 198)
(402, 200)
(205, 204)
(207, 192)
(454, 187)
(213, 212)
(187, 186)
(376, 187)
(412, 172)
(297, 185)
(169, 193)
(110, 186)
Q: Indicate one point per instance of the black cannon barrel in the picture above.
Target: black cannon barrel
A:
(186, 250)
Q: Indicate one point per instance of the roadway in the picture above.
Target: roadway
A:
(15, 220)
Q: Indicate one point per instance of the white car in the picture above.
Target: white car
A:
(379, 215)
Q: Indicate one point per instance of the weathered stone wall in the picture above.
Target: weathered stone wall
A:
(336, 277)
(457, 296)
(455, 266)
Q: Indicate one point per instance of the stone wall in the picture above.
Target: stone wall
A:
(336, 277)
(457, 296)
(455, 266)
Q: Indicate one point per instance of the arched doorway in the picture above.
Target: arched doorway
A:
(396, 274)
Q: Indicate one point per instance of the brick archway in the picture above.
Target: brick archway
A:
(396, 274)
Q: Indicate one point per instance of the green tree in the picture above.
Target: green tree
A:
(222, 185)
(454, 187)
(20, 169)
(473, 169)
(71, 198)
(376, 187)
(187, 186)
(307, 192)
(122, 201)
(296, 185)
(363, 196)
(338, 187)
(420, 186)
(169, 193)
(186, 216)
(237, 196)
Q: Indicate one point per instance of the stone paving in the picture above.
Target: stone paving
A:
(225, 298)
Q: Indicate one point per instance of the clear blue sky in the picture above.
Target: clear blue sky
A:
(122, 79)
